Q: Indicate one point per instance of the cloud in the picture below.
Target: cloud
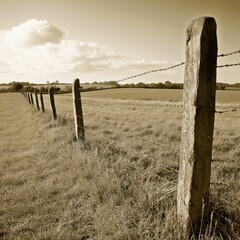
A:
(31, 33)
(4, 66)
(36, 48)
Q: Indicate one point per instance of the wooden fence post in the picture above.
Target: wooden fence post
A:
(31, 98)
(36, 98)
(78, 115)
(42, 103)
(198, 123)
(52, 102)
(28, 97)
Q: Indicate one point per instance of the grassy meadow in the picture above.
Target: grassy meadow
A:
(120, 184)
(173, 95)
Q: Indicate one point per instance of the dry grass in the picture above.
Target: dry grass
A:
(120, 185)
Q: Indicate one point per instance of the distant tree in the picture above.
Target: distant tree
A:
(160, 85)
(167, 83)
(17, 87)
(29, 89)
(141, 85)
(56, 89)
(44, 89)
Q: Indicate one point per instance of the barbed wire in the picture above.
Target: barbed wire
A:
(225, 111)
(180, 64)
(152, 71)
(228, 54)
(229, 65)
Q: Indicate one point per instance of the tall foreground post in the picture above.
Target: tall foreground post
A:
(78, 115)
(198, 123)
(52, 103)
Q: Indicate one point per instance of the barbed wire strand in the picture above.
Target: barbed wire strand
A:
(229, 65)
(151, 71)
(228, 54)
(180, 64)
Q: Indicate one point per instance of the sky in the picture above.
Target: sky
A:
(107, 40)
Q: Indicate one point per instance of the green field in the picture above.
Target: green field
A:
(119, 185)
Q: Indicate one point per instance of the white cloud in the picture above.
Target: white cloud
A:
(4, 66)
(32, 32)
(36, 48)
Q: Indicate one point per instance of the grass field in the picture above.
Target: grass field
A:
(172, 95)
(120, 185)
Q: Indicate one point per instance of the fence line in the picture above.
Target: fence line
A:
(197, 124)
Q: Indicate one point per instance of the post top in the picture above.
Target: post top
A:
(201, 26)
(76, 83)
(202, 20)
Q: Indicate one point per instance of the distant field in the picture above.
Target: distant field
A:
(3, 87)
(230, 95)
(233, 88)
(137, 94)
(64, 85)
(171, 95)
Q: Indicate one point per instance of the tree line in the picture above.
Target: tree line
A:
(30, 87)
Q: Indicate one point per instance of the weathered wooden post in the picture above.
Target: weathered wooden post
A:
(52, 102)
(31, 98)
(78, 115)
(42, 103)
(198, 123)
(36, 99)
